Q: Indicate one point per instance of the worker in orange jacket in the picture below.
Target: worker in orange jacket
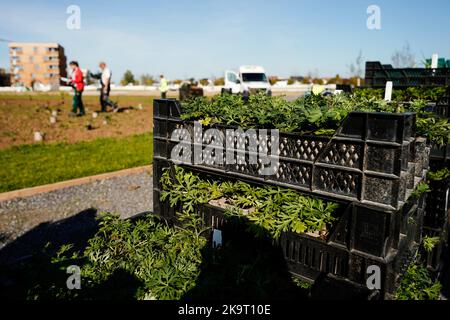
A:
(77, 83)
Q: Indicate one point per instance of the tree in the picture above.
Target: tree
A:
(336, 80)
(356, 69)
(128, 78)
(318, 81)
(404, 58)
(273, 80)
(204, 82)
(147, 80)
(306, 80)
(219, 81)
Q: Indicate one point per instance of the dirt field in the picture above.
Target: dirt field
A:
(23, 114)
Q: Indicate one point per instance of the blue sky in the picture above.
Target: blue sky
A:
(202, 38)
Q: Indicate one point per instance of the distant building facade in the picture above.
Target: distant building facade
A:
(5, 78)
(31, 63)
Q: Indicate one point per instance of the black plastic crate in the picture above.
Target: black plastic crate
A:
(164, 108)
(392, 270)
(440, 153)
(370, 158)
(329, 287)
(377, 75)
(435, 258)
(361, 228)
(364, 235)
(310, 258)
(438, 204)
(442, 107)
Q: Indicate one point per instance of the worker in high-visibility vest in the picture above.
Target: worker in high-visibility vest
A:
(163, 87)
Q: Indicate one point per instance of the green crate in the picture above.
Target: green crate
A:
(441, 63)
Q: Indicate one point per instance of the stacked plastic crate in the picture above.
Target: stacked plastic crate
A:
(378, 74)
(370, 166)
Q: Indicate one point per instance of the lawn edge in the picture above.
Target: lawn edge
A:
(28, 192)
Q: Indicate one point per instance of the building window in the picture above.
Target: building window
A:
(35, 50)
(16, 50)
(17, 69)
(31, 58)
(36, 67)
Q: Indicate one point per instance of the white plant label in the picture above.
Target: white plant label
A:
(388, 91)
(434, 61)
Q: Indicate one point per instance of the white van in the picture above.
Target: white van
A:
(249, 80)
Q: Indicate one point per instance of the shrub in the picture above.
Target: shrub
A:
(273, 80)
(144, 258)
(417, 284)
(219, 82)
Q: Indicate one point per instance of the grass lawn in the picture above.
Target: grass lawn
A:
(33, 165)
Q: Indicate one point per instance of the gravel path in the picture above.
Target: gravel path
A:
(73, 209)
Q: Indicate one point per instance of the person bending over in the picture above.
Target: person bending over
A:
(105, 80)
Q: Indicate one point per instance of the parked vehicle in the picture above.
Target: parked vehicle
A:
(249, 80)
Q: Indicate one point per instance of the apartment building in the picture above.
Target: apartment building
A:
(32, 63)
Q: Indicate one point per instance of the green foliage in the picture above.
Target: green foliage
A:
(429, 125)
(429, 243)
(32, 165)
(439, 175)
(128, 78)
(147, 80)
(219, 81)
(164, 262)
(315, 114)
(301, 284)
(273, 80)
(307, 114)
(412, 99)
(417, 284)
(431, 94)
(420, 189)
(269, 209)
